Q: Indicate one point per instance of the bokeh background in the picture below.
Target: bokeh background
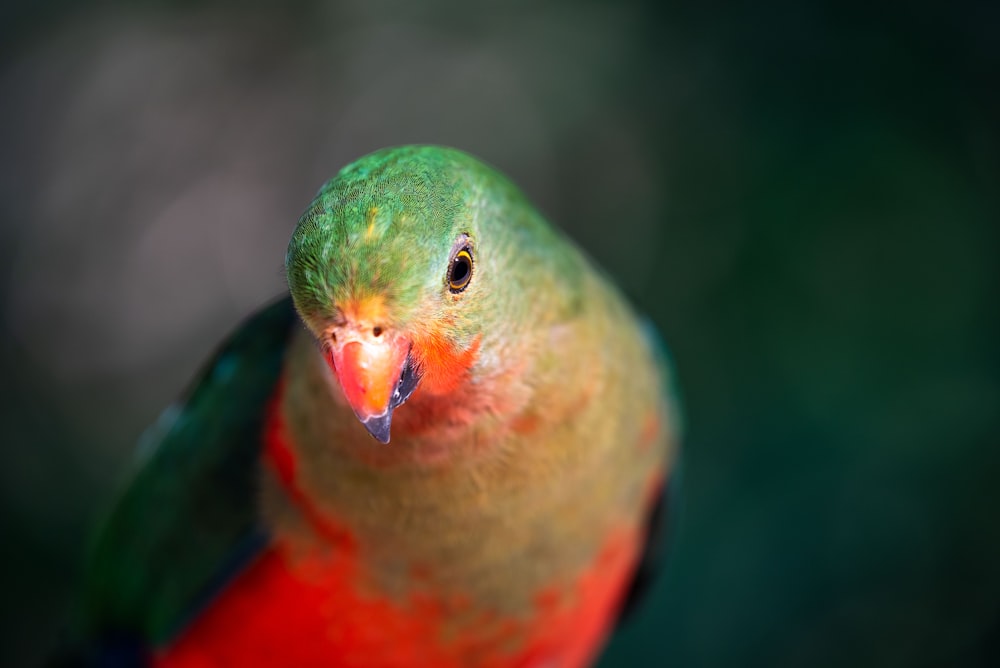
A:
(806, 200)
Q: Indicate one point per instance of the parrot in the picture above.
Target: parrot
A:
(452, 442)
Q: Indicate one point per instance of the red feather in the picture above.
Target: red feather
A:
(291, 608)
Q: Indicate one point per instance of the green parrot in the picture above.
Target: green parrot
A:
(448, 446)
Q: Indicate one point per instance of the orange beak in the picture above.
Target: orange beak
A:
(376, 374)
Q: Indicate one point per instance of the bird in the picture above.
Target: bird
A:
(453, 442)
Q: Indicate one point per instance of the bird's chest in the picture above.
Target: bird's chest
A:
(291, 609)
(444, 593)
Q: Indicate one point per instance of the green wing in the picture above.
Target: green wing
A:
(628, 640)
(188, 520)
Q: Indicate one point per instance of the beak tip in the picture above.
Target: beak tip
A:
(378, 426)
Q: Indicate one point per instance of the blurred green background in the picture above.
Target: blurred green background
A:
(806, 199)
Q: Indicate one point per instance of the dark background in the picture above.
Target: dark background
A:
(805, 200)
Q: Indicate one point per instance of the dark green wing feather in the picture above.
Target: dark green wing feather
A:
(628, 640)
(662, 515)
(188, 519)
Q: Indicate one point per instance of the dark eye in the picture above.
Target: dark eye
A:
(460, 270)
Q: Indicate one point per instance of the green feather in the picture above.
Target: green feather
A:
(385, 225)
(194, 498)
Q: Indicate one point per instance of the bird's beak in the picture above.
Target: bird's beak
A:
(376, 373)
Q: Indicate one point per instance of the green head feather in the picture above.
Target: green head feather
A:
(387, 225)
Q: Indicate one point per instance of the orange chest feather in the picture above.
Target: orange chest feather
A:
(444, 366)
(303, 610)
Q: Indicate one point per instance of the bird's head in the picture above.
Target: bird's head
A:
(389, 270)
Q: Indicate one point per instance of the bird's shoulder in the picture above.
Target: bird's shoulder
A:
(187, 521)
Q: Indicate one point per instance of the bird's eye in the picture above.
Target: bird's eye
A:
(460, 269)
